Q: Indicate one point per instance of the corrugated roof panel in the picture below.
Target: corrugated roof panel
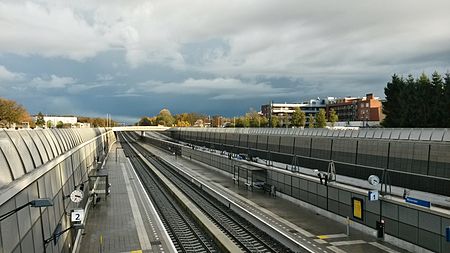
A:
(405, 133)
(52, 139)
(446, 135)
(415, 134)
(39, 145)
(22, 148)
(361, 133)
(386, 134)
(438, 134)
(47, 144)
(5, 173)
(377, 134)
(11, 155)
(369, 133)
(348, 133)
(395, 134)
(425, 135)
(35, 155)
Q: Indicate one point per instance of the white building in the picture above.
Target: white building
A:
(55, 119)
(310, 107)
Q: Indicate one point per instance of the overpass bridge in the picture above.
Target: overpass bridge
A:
(140, 128)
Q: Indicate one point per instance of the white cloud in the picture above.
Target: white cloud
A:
(265, 37)
(52, 82)
(7, 75)
(30, 28)
(219, 88)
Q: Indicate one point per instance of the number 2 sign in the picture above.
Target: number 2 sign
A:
(77, 216)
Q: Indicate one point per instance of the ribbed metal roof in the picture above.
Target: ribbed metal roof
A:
(417, 134)
(22, 151)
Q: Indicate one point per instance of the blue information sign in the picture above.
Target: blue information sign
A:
(418, 202)
(447, 234)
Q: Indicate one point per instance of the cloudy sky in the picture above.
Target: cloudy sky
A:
(132, 58)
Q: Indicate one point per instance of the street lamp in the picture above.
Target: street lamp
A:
(33, 203)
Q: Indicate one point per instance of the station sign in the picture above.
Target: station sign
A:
(418, 202)
(373, 195)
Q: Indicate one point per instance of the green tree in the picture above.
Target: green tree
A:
(40, 119)
(59, 124)
(392, 106)
(321, 119)
(446, 101)
(49, 124)
(333, 117)
(275, 121)
(437, 115)
(264, 121)
(298, 118)
(311, 121)
(253, 118)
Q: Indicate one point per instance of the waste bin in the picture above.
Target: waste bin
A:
(380, 229)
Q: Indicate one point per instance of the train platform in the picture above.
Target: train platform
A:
(125, 220)
(318, 233)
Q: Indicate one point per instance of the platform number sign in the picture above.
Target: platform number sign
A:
(373, 195)
(77, 216)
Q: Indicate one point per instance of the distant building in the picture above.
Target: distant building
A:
(64, 119)
(346, 108)
(55, 119)
(349, 109)
(82, 125)
(285, 111)
(368, 108)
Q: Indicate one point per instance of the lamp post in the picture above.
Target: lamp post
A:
(33, 203)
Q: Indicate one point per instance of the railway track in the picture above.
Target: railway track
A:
(184, 232)
(243, 233)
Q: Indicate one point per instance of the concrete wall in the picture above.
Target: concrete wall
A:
(415, 158)
(45, 163)
(409, 223)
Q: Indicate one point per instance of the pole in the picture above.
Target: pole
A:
(348, 226)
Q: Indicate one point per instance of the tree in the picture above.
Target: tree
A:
(264, 122)
(392, 106)
(311, 121)
(59, 124)
(446, 102)
(145, 121)
(275, 121)
(420, 102)
(438, 101)
(40, 119)
(165, 118)
(49, 124)
(253, 118)
(333, 117)
(321, 119)
(298, 118)
(12, 112)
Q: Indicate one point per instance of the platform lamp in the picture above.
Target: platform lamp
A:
(33, 203)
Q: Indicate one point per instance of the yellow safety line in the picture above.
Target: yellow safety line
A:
(136, 251)
(322, 237)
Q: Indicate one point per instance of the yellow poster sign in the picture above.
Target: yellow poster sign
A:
(357, 208)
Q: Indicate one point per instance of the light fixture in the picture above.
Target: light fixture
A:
(34, 203)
